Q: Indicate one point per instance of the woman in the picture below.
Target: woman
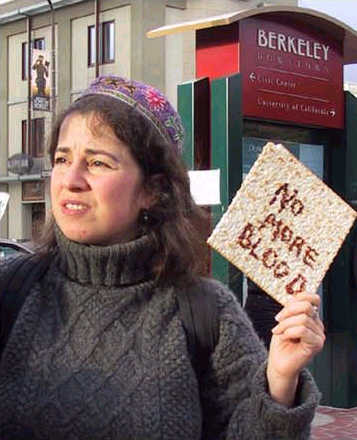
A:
(98, 350)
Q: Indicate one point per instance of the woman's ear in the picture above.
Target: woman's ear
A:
(154, 189)
(148, 200)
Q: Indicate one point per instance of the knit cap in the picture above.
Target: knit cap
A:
(147, 100)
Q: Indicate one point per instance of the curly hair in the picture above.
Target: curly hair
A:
(174, 220)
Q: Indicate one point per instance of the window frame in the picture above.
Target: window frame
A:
(105, 48)
(24, 61)
(105, 45)
(91, 46)
(36, 149)
(38, 43)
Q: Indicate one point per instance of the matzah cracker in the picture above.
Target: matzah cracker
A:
(284, 225)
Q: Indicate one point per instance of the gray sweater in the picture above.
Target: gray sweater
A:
(99, 352)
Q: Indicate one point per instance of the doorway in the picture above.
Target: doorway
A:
(38, 216)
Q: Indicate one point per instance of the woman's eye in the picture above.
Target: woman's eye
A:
(59, 160)
(99, 164)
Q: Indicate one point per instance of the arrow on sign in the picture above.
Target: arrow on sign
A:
(252, 76)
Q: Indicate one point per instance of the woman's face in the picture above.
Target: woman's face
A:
(96, 185)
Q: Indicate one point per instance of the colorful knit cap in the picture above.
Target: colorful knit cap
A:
(149, 101)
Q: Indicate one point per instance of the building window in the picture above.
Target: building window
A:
(24, 61)
(106, 43)
(24, 136)
(37, 137)
(39, 43)
(33, 191)
(91, 45)
(107, 40)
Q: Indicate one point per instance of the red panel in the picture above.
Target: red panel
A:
(291, 73)
(217, 51)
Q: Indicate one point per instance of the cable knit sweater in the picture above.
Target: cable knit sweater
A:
(99, 352)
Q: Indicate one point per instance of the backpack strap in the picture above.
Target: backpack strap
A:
(14, 288)
(354, 263)
(199, 314)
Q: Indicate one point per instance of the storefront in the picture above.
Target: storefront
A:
(26, 187)
(276, 73)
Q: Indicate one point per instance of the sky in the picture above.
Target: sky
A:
(343, 10)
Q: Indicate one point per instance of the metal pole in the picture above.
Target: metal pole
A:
(29, 62)
(53, 61)
(97, 45)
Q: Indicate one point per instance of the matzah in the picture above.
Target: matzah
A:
(284, 226)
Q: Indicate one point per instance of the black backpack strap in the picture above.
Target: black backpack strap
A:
(199, 314)
(354, 263)
(261, 309)
(14, 288)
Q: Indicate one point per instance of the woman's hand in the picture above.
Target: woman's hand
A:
(296, 339)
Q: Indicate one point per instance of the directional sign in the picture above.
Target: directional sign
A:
(291, 73)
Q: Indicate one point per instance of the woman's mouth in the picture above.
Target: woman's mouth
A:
(74, 208)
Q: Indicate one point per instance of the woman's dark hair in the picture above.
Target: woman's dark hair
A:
(174, 220)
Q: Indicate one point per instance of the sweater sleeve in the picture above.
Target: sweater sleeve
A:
(235, 400)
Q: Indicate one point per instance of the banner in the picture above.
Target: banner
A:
(41, 80)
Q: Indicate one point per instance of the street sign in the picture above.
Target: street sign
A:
(291, 73)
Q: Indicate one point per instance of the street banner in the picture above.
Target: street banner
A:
(40, 80)
(4, 198)
(284, 226)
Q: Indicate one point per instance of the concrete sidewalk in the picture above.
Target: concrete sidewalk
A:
(334, 424)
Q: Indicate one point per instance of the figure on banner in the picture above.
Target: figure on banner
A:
(41, 68)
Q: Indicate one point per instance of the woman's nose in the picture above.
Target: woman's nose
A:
(75, 178)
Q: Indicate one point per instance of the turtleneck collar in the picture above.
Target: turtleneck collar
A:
(117, 265)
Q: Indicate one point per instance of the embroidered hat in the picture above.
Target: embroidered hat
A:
(148, 100)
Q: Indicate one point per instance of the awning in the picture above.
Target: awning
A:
(24, 178)
(308, 17)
